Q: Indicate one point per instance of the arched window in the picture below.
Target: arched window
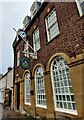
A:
(40, 88)
(62, 87)
(27, 88)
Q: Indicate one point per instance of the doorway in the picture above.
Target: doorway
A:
(18, 96)
(10, 97)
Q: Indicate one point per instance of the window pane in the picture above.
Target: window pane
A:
(74, 106)
(58, 105)
(80, 5)
(69, 105)
(65, 105)
(64, 98)
(72, 98)
(68, 97)
(61, 106)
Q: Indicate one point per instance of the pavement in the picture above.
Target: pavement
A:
(10, 114)
(1, 111)
(6, 114)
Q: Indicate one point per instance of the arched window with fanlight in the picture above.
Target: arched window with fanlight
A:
(40, 87)
(62, 88)
(27, 88)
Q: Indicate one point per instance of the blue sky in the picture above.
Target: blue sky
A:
(11, 16)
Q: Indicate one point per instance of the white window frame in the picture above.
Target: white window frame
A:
(36, 40)
(18, 57)
(26, 49)
(79, 7)
(69, 111)
(55, 24)
(36, 86)
(27, 81)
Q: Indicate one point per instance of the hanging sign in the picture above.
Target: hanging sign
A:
(25, 62)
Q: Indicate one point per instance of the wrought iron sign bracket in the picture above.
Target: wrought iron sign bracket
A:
(23, 35)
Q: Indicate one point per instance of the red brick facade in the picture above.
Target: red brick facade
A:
(69, 42)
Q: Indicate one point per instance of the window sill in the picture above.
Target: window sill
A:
(71, 112)
(52, 39)
(17, 66)
(27, 103)
(81, 17)
(42, 106)
(38, 50)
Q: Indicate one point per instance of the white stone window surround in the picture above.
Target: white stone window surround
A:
(52, 25)
(27, 86)
(40, 88)
(36, 40)
(55, 88)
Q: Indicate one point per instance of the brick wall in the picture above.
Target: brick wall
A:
(71, 33)
(69, 40)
